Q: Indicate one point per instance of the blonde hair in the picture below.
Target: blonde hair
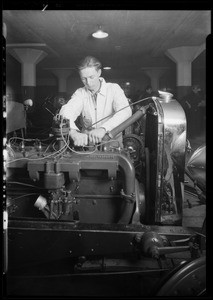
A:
(89, 62)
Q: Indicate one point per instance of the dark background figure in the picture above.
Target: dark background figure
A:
(194, 106)
(148, 92)
(59, 101)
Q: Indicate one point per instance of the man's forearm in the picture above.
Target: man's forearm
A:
(117, 119)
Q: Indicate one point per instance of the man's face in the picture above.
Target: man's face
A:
(90, 78)
(61, 101)
(196, 89)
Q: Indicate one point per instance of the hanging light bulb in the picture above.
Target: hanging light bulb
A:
(100, 34)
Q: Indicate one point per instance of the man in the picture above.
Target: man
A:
(58, 103)
(194, 106)
(148, 93)
(97, 103)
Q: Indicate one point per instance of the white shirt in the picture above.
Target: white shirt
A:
(110, 99)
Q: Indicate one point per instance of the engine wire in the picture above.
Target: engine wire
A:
(23, 139)
(132, 104)
(40, 158)
(52, 142)
(25, 195)
(22, 183)
(84, 153)
(66, 144)
(87, 153)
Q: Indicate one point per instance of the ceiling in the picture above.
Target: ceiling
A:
(137, 38)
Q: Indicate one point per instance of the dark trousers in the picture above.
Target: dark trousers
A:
(193, 123)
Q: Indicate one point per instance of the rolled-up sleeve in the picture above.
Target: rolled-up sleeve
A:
(119, 101)
(73, 108)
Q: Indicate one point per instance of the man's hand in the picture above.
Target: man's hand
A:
(79, 139)
(189, 105)
(202, 104)
(96, 135)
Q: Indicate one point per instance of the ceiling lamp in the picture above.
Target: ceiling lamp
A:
(107, 68)
(100, 34)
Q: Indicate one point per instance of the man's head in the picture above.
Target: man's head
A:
(149, 89)
(90, 71)
(196, 88)
(61, 101)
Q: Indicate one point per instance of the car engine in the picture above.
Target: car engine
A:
(103, 210)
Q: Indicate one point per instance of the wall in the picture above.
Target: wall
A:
(48, 86)
(199, 70)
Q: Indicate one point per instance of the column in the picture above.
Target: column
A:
(183, 57)
(154, 74)
(62, 74)
(28, 57)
